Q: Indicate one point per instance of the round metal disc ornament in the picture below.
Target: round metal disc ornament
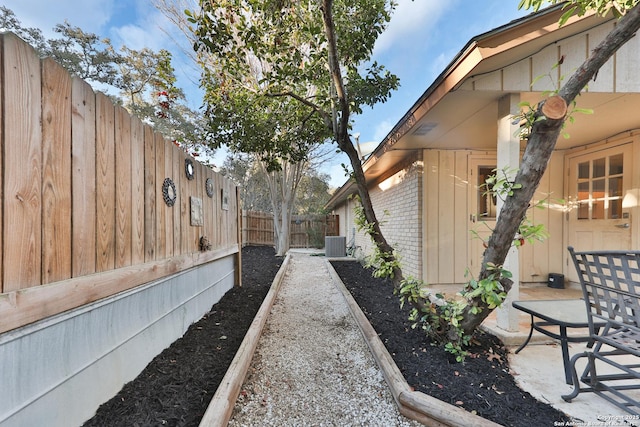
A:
(169, 192)
(208, 185)
(189, 169)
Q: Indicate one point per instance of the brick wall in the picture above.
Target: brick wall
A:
(397, 204)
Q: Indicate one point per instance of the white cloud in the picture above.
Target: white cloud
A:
(153, 30)
(410, 19)
(441, 61)
(91, 16)
(139, 27)
(382, 129)
(136, 37)
(136, 24)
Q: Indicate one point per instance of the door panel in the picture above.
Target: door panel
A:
(598, 218)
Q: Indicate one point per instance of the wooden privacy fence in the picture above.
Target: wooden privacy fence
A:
(306, 231)
(83, 208)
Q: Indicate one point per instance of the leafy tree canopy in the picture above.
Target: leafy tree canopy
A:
(268, 61)
(84, 54)
(580, 7)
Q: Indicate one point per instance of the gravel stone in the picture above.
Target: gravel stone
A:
(312, 366)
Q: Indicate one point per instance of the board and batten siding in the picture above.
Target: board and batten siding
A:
(83, 213)
(445, 201)
(540, 258)
(447, 231)
(428, 208)
(618, 74)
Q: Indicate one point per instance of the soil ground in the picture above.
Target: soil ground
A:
(483, 384)
(178, 384)
(176, 387)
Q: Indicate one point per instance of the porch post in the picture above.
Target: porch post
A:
(508, 158)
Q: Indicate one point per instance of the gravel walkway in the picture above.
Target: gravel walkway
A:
(312, 366)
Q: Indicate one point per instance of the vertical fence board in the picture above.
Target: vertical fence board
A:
(236, 215)
(22, 166)
(178, 219)
(2, 145)
(205, 230)
(217, 195)
(209, 202)
(185, 211)
(224, 213)
(168, 173)
(149, 195)
(215, 210)
(202, 194)
(194, 231)
(137, 191)
(221, 216)
(56, 167)
(124, 180)
(105, 183)
(83, 178)
(297, 233)
(196, 191)
(161, 211)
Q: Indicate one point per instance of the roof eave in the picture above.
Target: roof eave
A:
(462, 65)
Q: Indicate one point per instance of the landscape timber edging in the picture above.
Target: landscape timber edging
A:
(412, 404)
(221, 406)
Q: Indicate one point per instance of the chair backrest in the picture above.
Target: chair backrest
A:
(610, 283)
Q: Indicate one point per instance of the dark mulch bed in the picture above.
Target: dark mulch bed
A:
(178, 384)
(482, 384)
(176, 387)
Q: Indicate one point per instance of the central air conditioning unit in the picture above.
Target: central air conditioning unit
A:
(335, 246)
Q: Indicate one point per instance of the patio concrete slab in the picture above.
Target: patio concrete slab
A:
(538, 368)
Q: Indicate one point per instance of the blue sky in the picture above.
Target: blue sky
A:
(422, 38)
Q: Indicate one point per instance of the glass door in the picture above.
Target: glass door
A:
(598, 215)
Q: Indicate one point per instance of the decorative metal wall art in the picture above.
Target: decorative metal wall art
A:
(189, 170)
(208, 185)
(169, 192)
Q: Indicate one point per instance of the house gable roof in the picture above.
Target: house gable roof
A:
(459, 109)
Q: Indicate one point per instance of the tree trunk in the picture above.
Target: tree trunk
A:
(340, 127)
(283, 185)
(540, 145)
(283, 239)
(277, 223)
(378, 238)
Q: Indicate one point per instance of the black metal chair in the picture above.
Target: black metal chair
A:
(610, 283)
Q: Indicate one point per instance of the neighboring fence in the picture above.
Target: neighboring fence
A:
(83, 208)
(306, 231)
